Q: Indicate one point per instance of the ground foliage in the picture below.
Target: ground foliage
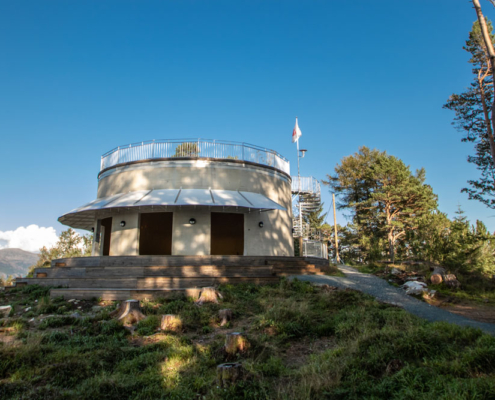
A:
(350, 346)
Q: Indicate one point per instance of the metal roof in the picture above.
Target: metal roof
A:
(166, 200)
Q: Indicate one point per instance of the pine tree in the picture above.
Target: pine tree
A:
(316, 218)
(386, 199)
(473, 109)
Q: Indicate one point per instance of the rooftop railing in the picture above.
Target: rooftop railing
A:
(195, 148)
(307, 184)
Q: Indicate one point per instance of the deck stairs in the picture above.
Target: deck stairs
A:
(140, 277)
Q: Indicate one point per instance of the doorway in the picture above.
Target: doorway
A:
(227, 234)
(155, 234)
(106, 223)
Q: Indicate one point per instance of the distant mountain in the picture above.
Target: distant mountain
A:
(16, 262)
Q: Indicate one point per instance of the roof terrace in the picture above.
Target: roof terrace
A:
(194, 148)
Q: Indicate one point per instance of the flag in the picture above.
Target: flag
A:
(296, 133)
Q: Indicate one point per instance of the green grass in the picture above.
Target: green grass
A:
(377, 351)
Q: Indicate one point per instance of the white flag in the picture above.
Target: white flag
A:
(296, 133)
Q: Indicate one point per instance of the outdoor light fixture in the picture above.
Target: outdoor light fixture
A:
(303, 152)
(93, 229)
(122, 223)
(192, 221)
(260, 224)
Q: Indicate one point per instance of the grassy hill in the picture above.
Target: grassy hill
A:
(304, 342)
(16, 262)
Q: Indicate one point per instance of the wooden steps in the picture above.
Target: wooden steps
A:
(139, 277)
(123, 294)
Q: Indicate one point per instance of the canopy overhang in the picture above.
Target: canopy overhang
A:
(167, 200)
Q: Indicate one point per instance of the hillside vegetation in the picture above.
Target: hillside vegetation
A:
(305, 342)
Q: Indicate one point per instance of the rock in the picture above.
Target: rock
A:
(96, 309)
(69, 301)
(414, 287)
(31, 320)
(27, 309)
(75, 315)
(396, 271)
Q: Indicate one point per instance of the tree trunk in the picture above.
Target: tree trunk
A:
(229, 373)
(392, 250)
(235, 343)
(225, 316)
(171, 322)
(208, 295)
(437, 276)
(491, 55)
(129, 312)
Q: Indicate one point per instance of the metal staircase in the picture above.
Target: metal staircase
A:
(308, 193)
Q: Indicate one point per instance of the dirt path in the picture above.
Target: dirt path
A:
(380, 289)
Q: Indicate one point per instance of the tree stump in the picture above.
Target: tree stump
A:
(229, 373)
(225, 316)
(171, 322)
(437, 276)
(5, 311)
(451, 281)
(235, 343)
(208, 295)
(129, 312)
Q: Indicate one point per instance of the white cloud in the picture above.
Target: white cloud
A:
(30, 238)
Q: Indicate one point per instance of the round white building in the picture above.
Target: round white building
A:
(190, 197)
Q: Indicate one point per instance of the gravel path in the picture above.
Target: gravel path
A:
(386, 293)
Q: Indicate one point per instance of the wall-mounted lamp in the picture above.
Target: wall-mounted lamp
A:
(122, 223)
(93, 229)
(192, 221)
(260, 224)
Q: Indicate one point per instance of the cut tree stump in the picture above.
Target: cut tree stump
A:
(437, 276)
(235, 343)
(129, 312)
(225, 316)
(451, 281)
(171, 322)
(5, 311)
(208, 295)
(229, 373)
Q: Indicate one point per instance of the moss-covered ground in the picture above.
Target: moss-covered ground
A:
(306, 342)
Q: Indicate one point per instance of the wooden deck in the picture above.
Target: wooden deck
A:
(139, 277)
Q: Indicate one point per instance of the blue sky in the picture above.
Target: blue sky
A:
(78, 78)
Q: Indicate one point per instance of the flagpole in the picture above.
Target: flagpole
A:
(299, 198)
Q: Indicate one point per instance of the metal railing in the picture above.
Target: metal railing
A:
(314, 248)
(308, 185)
(197, 148)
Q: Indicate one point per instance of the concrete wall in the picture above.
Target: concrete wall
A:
(191, 240)
(125, 241)
(197, 174)
(274, 239)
